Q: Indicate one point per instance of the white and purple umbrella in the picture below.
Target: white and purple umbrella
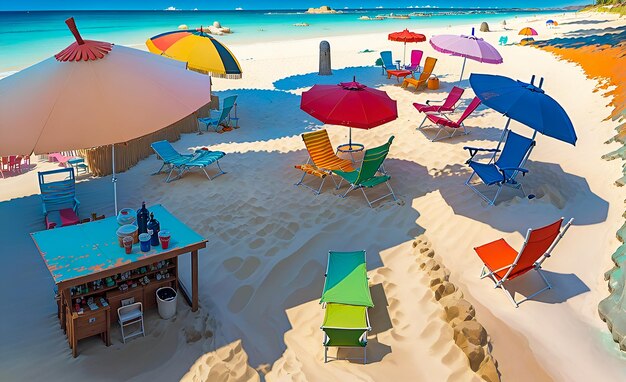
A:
(472, 47)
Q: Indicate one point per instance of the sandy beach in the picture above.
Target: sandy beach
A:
(263, 270)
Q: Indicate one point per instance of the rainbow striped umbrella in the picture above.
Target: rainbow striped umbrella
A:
(199, 50)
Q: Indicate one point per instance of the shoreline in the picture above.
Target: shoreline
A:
(243, 45)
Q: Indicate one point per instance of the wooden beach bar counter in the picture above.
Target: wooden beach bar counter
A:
(88, 265)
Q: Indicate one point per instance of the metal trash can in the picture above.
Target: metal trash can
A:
(166, 302)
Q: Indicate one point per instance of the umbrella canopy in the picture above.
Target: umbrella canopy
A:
(471, 47)
(199, 50)
(94, 94)
(550, 21)
(528, 32)
(525, 103)
(406, 36)
(349, 104)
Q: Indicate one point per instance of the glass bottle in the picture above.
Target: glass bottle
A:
(153, 229)
(142, 219)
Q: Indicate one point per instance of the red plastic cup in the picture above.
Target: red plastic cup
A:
(128, 244)
(164, 238)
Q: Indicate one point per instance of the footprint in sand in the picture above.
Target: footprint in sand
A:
(283, 234)
(249, 266)
(266, 230)
(240, 298)
(233, 263)
(271, 252)
(256, 243)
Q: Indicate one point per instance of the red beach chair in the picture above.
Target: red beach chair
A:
(503, 263)
(448, 105)
(443, 122)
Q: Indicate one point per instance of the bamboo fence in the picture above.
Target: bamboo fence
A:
(129, 153)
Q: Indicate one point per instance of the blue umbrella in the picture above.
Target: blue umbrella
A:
(525, 103)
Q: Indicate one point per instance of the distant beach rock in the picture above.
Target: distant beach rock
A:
(301, 24)
(484, 27)
(216, 29)
(324, 9)
(183, 27)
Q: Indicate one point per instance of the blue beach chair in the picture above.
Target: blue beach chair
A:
(58, 196)
(503, 170)
(503, 40)
(387, 60)
(224, 114)
(173, 160)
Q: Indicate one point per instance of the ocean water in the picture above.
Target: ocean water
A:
(29, 37)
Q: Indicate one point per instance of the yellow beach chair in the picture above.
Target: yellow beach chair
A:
(322, 159)
(429, 65)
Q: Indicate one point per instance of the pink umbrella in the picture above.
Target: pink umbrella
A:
(472, 47)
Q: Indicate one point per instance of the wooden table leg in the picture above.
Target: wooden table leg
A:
(63, 305)
(108, 332)
(194, 281)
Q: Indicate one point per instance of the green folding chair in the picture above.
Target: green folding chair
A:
(346, 279)
(345, 326)
(366, 176)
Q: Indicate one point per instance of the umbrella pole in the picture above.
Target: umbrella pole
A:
(350, 137)
(506, 127)
(404, 57)
(114, 178)
(462, 69)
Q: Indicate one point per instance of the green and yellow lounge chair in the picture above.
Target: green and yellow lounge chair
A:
(346, 279)
(346, 296)
(345, 326)
(322, 159)
(365, 177)
(429, 66)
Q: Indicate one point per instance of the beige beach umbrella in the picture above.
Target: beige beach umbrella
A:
(94, 94)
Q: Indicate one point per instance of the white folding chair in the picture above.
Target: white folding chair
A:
(130, 315)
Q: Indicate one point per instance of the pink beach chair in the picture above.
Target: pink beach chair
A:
(448, 105)
(416, 59)
(444, 123)
(59, 157)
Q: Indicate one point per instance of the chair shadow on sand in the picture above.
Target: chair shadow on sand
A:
(380, 323)
(565, 195)
(564, 286)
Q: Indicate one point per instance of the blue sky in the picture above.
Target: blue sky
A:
(6, 5)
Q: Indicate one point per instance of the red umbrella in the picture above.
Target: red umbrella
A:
(349, 104)
(406, 36)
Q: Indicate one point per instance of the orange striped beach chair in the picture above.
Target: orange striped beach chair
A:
(322, 159)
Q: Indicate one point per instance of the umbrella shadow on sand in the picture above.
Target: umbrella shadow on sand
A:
(557, 194)
(367, 75)
(264, 115)
(234, 220)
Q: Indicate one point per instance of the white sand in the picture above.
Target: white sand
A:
(262, 273)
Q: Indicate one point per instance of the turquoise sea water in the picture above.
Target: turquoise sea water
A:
(29, 37)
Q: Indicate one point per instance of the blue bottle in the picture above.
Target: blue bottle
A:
(153, 229)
